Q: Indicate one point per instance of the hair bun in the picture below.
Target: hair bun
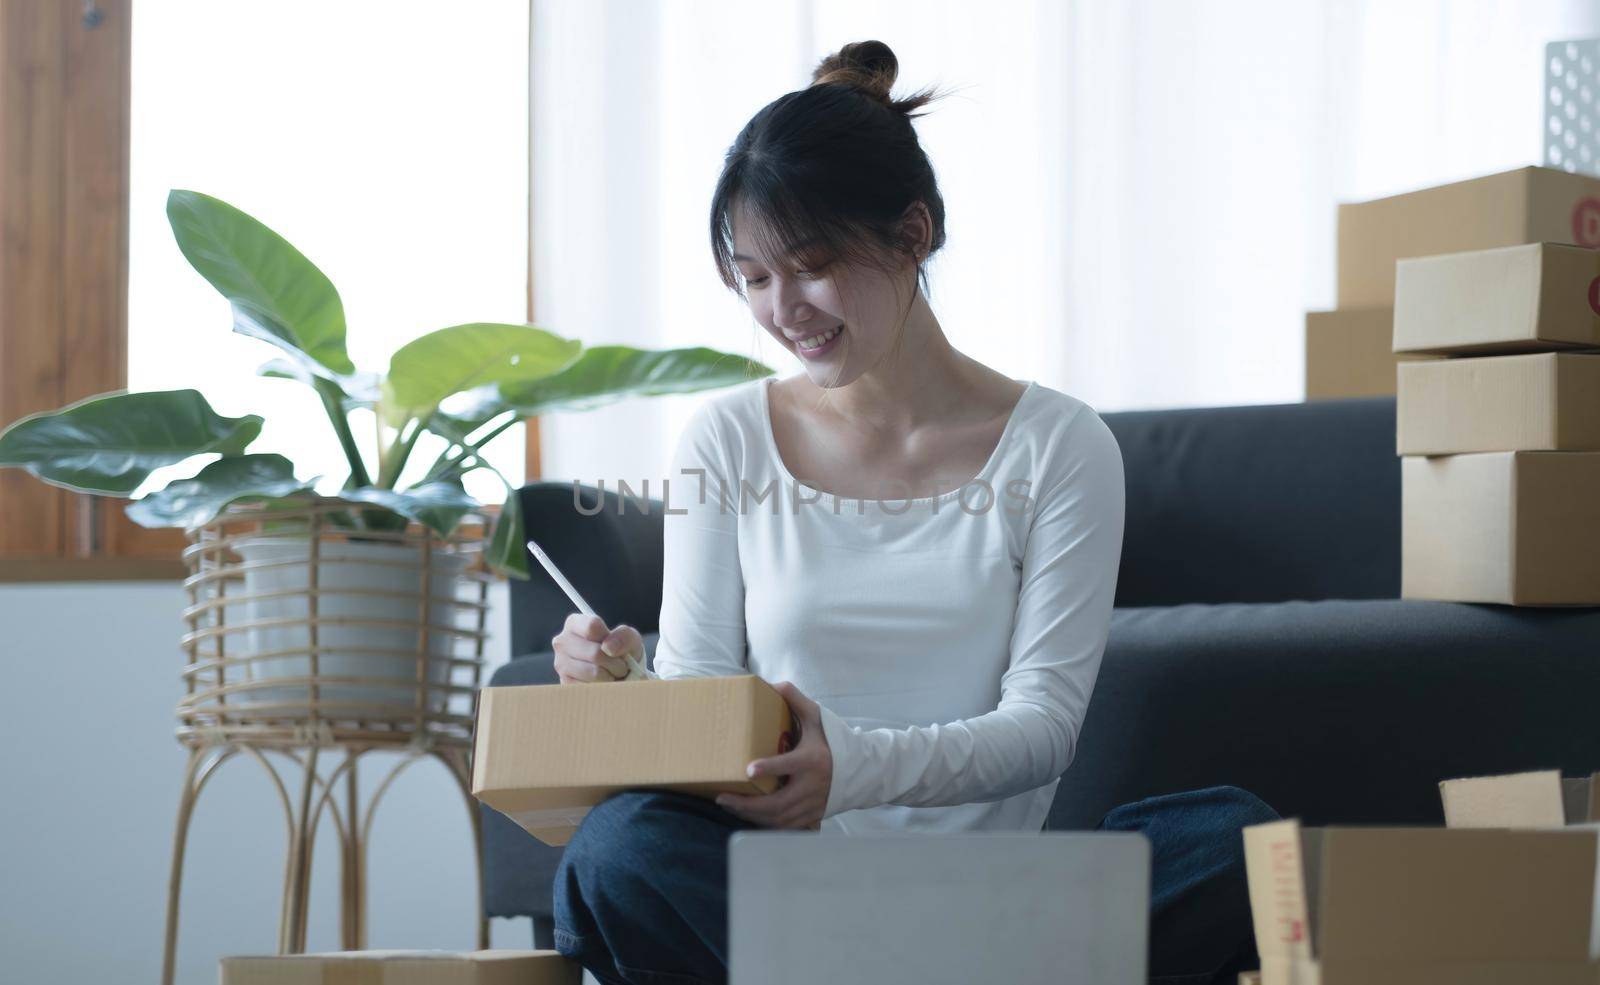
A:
(869, 66)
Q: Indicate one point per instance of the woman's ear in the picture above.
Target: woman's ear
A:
(916, 229)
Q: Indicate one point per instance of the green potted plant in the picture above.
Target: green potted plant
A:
(498, 374)
(109, 443)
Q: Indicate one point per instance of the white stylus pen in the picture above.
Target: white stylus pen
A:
(636, 670)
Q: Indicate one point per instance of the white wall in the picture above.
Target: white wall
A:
(89, 787)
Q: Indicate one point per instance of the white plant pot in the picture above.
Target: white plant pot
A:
(366, 651)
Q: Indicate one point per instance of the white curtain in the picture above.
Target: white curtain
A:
(1140, 193)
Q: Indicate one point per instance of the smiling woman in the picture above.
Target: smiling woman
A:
(937, 637)
(834, 216)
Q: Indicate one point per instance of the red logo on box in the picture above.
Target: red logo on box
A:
(1594, 295)
(1586, 222)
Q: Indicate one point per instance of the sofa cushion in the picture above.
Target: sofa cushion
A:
(1260, 504)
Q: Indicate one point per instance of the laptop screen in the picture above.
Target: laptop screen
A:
(1064, 908)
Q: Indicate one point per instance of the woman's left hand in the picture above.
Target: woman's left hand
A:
(802, 797)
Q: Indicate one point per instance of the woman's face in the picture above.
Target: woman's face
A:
(795, 304)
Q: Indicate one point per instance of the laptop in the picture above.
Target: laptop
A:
(1064, 908)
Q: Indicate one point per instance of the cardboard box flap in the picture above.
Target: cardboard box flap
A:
(1519, 800)
(1580, 799)
(1276, 868)
(1418, 894)
(1540, 799)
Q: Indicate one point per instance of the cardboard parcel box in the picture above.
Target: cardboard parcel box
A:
(1532, 298)
(1540, 401)
(543, 754)
(1517, 528)
(1422, 906)
(1521, 800)
(1528, 205)
(1350, 353)
(404, 968)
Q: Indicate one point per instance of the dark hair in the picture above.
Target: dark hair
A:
(831, 168)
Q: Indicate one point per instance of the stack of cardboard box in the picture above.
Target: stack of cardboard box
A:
(1500, 482)
(1348, 350)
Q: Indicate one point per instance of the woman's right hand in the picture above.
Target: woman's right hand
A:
(586, 652)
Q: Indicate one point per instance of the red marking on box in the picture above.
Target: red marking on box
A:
(1586, 222)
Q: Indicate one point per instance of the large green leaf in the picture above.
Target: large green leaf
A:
(111, 442)
(437, 505)
(605, 374)
(278, 295)
(424, 372)
(601, 375)
(191, 502)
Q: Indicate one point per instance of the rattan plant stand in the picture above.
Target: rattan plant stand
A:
(309, 645)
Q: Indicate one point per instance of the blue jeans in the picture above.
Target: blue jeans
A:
(641, 894)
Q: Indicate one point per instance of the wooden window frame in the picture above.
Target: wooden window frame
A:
(64, 111)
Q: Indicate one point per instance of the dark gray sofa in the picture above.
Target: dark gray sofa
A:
(1258, 638)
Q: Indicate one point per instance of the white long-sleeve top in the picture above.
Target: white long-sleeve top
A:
(952, 641)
